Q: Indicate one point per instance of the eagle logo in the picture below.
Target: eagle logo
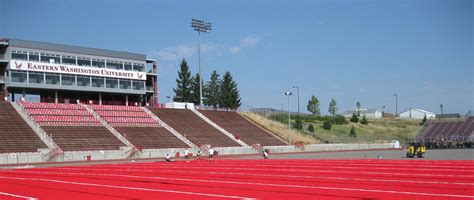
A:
(18, 66)
(140, 75)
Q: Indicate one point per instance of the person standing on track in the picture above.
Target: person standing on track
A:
(198, 155)
(186, 155)
(265, 154)
(211, 153)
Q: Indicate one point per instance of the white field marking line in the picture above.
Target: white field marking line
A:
(258, 184)
(276, 175)
(293, 170)
(17, 196)
(123, 187)
(342, 167)
(365, 165)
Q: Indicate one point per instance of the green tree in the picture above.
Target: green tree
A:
(327, 124)
(354, 118)
(339, 119)
(229, 97)
(313, 106)
(424, 120)
(332, 107)
(182, 92)
(195, 89)
(358, 108)
(353, 132)
(213, 90)
(364, 120)
(298, 123)
(311, 128)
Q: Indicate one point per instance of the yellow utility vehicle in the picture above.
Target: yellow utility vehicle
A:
(416, 150)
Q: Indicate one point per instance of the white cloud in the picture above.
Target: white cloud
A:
(173, 53)
(250, 41)
(234, 50)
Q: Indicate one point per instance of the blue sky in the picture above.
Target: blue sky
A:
(348, 50)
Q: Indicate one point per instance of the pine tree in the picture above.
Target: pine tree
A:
(229, 97)
(424, 120)
(183, 88)
(332, 107)
(354, 118)
(353, 132)
(195, 89)
(213, 90)
(358, 108)
(313, 106)
(364, 120)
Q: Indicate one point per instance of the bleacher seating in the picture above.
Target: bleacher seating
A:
(59, 114)
(242, 128)
(15, 134)
(444, 133)
(194, 128)
(151, 137)
(83, 138)
(124, 115)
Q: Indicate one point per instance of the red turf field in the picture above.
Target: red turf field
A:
(252, 179)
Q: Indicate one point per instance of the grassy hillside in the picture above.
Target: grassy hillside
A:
(378, 130)
(280, 129)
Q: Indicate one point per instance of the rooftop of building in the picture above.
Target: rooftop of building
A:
(72, 49)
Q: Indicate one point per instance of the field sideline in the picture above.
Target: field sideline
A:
(246, 179)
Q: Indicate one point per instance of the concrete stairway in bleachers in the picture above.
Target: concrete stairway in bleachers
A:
(170, 129)
(219, 128)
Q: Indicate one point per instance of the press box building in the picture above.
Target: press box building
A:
(60, 73)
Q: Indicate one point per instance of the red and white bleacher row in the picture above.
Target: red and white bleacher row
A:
(116, 108)
(129, 120)
(52, 106)
(134, 124)
(61, 123)
(104, 113)
(44, 111)
(48, 118)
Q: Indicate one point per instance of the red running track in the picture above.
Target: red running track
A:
(246, 179)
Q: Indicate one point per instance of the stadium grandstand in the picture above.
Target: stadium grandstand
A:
(67, 103)
(455, 133)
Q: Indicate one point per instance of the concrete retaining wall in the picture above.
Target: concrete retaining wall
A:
(20, 158)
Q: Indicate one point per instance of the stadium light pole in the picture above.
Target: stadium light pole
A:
(298, 90)
(204, 27)
(288, 94)
(396, 104)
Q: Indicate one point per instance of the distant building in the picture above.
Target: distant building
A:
(369, 113)
(416, 113)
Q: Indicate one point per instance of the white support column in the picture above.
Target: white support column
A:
(100, 98)
(55, 96)
(126, 100)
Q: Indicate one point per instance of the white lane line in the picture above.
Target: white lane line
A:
(124, 187)
(296, 170)
(273, 175)
(265, 184)
(17, 196)
(467, 165)
(296, 165)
